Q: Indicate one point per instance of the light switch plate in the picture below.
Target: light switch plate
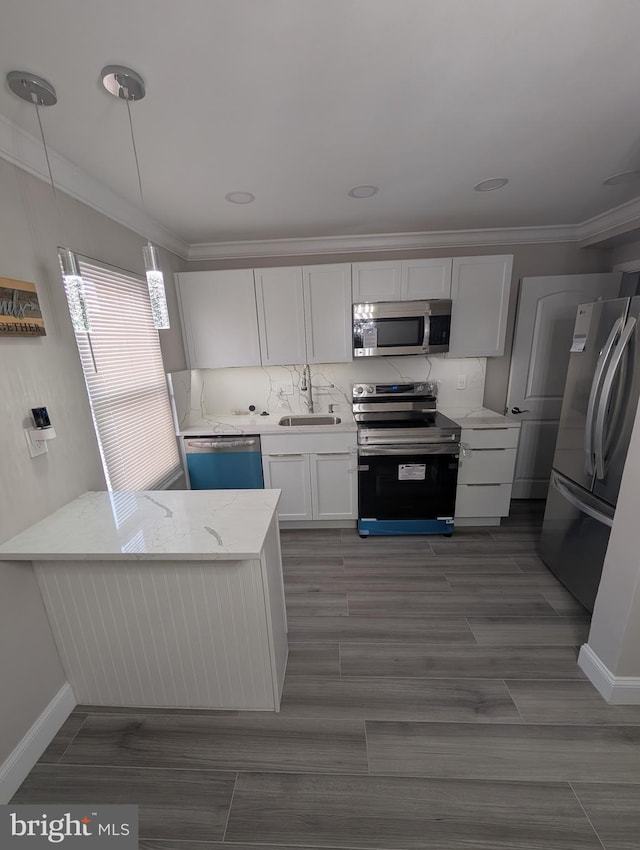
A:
(36, 447)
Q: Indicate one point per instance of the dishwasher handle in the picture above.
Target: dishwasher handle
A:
(229, 444)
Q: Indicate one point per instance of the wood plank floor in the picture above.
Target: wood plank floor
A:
(432, 700)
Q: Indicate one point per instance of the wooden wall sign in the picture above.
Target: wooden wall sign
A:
(19, 309)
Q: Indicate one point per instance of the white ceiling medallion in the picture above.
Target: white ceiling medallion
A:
(490, 185)
(240, 197)
(622, 177)
(363, 191)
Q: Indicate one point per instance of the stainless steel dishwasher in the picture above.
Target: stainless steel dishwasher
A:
(224, 463)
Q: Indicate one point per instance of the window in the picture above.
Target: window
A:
(125, 379)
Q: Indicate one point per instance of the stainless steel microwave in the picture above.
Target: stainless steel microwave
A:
(401, 327)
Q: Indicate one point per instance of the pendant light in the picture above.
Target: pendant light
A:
(127, 85)
(39, 92)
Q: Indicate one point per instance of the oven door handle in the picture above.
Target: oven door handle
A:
(431, 449)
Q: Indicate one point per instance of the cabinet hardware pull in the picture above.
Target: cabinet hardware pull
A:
(285, 454)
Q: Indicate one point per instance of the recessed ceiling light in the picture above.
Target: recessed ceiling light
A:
(623, 177)
(362, 191)
(240, 197)
(490, 185)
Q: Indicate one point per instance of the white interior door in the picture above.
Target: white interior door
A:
(544, 329)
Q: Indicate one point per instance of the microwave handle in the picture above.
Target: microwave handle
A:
(427, 332)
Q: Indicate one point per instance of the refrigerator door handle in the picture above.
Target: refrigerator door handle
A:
(605, 397)
(603, 359)
(574, 500)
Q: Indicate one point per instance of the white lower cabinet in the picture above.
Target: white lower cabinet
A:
(291, 474)
(316, 485)
(485, 477)
(334, 487)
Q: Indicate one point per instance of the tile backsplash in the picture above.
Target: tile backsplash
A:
(205, 392)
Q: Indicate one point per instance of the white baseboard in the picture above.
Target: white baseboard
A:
(617, 690)
(15, 769)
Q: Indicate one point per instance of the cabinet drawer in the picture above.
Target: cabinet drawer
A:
(487, 466)
(308, 443)
(480, 500)
(490, 438)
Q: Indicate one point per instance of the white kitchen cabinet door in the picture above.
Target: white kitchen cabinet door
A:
(219, 322)
(480, 289)
(289, 473)
(281, 316)
(334, 485)
(327, 309)
(482, 500)
(487, 466)
(377, 281)
(424, 279)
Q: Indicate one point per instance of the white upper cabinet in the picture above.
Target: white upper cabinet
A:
(377, 281)
(402, 280)
(480, 288)
(327, 308)
(281, 316)
(218, 313)
(424, 279)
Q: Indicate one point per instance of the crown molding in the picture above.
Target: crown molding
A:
(25, 151)
(380, 242)
(610, 223)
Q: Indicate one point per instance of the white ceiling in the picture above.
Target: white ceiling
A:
(297, 101)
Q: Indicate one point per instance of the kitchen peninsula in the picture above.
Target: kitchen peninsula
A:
(164, 598)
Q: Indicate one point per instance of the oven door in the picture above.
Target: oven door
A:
(407, 482)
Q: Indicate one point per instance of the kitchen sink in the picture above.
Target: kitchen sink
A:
(319, 419)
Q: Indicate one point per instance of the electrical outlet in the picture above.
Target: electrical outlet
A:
(462, 382)
(284, 387)
(36, 447)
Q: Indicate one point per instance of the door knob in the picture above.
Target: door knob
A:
(517, 410)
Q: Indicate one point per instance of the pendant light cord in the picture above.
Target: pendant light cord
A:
(135, 156)
(57, 200)
(46, 156)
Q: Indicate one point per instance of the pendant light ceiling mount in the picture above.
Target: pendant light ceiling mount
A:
(123, 83)
(32, 88)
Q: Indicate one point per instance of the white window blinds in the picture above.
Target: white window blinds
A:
(125, 380)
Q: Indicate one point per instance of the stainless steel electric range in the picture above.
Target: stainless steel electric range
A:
(407, 460)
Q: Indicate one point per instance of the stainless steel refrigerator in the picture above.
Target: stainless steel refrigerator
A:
(598, 411)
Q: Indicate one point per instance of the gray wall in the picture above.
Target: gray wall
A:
(528, 261)
(624, 253)
(46, 371)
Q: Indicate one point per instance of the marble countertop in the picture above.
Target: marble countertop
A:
(229, 425)
(176, 525)
(479, 417)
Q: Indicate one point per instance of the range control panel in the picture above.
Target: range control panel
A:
(409, 390)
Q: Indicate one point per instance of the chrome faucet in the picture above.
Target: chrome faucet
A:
(305, 387)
